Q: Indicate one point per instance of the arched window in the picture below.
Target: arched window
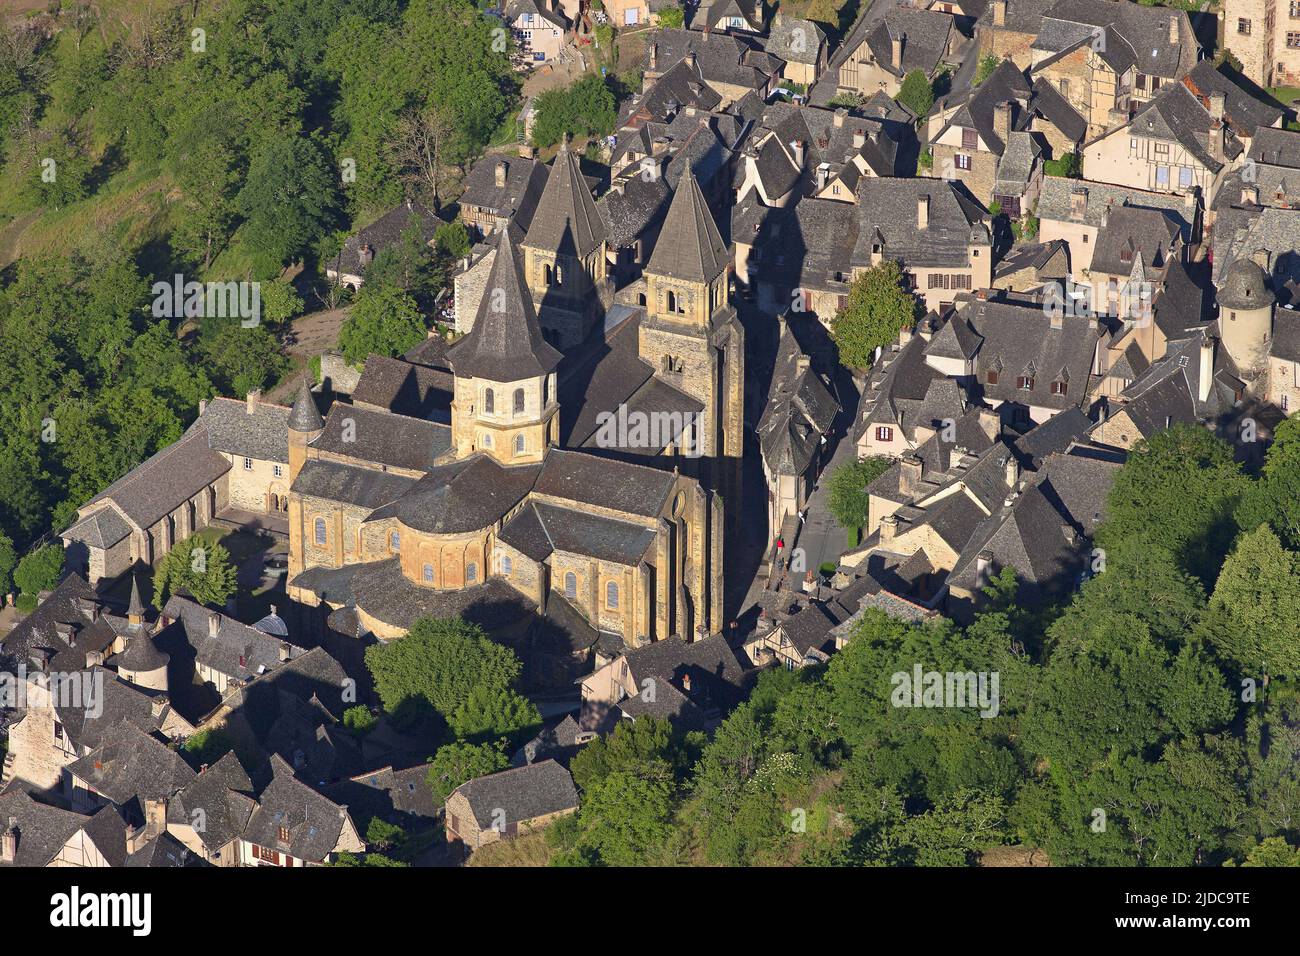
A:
(489, 401)
(548, 274)
(320, 531)
(611, 594)
(507, 565)
(395, 541)
(487, 439)
(559, 275)
(672, 301)
(471, 572)
(519, 401)
(519, 444)
(570, 585)
(428, 574)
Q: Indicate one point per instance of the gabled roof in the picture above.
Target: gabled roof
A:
(131, 764)
(566, 220)
(261, 432)
(506, 344)
(382, 438)
(43, 830)
(800, 409)
(224, 794)
(689, 245)
(384, 232)
(1176, 114)
(465, 494)
(1244, 113)
(523, 793)
(314, 822)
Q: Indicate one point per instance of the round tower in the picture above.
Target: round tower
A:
(305, 424)
(141, 662)
(1245, 314)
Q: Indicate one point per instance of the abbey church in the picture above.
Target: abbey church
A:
(471, 478)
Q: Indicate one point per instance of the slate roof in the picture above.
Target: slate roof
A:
(383, 438)
(1276, 147)
(350, 484)
(557, 741)
(44, 829)
(304, 416)
(159, 485)
(689, 245)
(1176, 114)
(141, 655)
(123, 702)
(1132, 230)
(405, 388)
(506, 344)
(237, 650)
(581, 478)
(577, 532)
(164, 851)
(224, 794)
(925, 34)
(795, 40)
(72, 622)
(887, 210)
(897, 388)
(1054, 202)
(384, 232)
(102, 528)
(381, 590)
(1244, 113)
(517, 199)
(1047, 260)
(1266, 233)
(263, 434)
(524, 793)
(800, 409)
(1286, 336)
(632, 208)
(466, 494)
(131, 764)
(1017, 165)
(566, 220)
(387, 793)
(1018, 340)
(717, 677)
(719, 58)
(315, 823)
(1135, 35)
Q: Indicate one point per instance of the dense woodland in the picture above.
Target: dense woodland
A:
(232, 139)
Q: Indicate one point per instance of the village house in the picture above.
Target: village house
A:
(499, 190)
(502, 806)
(359, 250)
(1264, 36)
(803, 45)
(293, 825)
(881, 50)
(996, 137)
(538, 26)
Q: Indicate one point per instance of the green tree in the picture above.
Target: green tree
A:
(984, 69)
(1273, 852)
(451, 239)
(586, 107)
(1254, 615)
(626, 818)
(916, 93)
(385, 321)
(441, 661)
(1177, 492)
(8, 561)
(671, 17)
(40, 570)
(359, 719)
(1275, 496)
(847, 497)
(203, 570)
(288, 200)
(384, 835)
(878, 308)
(492, 712)
(459, 762)
(241, 358)
(280, 303)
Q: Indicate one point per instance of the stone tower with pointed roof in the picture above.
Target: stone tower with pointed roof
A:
(564, 255)
(305, 424)
(692, 336)
(504, 402)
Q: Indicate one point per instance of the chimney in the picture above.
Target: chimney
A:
(838, 119)
(1078, 202)
(909, 473)
(983, 567)
(654, 56)
(1250, 194)
(823, 175)
(9, 843)
(1217, 99)
(214, 623)
(990, 422)
(859, 138)
(254, 396)
(1207, 369)
(365, 254)
(203, 405)
(502, 168)
(896, 50)
(157, 705)
(999, 13)
(798, 151)
(284, 651)
(690, 60)
(1011, 471)
(888, 528)
(686, 682)
(923, 211)
(1173, 30)
(1071, 534)
(1218, 137)
(802, 363)
(1002, 121)
(527, 150)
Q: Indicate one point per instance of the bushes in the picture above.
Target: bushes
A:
(40, 570)
(585, 108)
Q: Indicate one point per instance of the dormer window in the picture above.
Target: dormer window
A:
(991, 376)
(1058, 388)
(1126, 255)
(1024, 382)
